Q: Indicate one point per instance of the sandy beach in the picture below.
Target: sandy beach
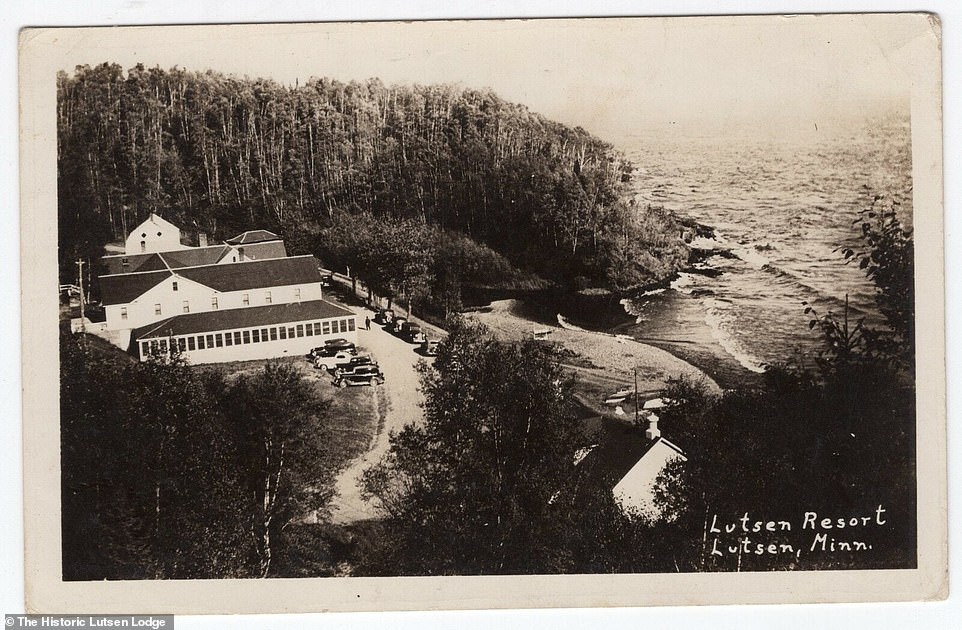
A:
(603, 363)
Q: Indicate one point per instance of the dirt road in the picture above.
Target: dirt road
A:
(398, 361)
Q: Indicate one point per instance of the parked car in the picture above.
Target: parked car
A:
(361, 375)
(384, 316)
(327, 281)
(397, 325)
(331, 362)
(332, 347)
(355, 362)
(413, 333)
(429, 347)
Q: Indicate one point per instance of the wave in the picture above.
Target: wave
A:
(564, 323)
(719, 326)
(683, 283)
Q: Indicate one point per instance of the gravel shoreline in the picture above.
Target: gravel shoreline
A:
(602, 361)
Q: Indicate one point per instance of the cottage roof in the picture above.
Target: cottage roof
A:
(236, 318)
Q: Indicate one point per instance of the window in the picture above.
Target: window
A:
(300, 330)
(181, 344)
(290, 332)
(163, 345)
(228, 339)
(156, 309)
(175, 285)
(186, 306)
(144, 349)
(273, 334)
(123, 312)
(247, 299)
(153, 347)
(237, 338)
(220, 340)
(263, 334)
(326, 327)
(283, 333)
(247, 336)
(297, 293)
(213, 303)
(143, 246)
(124, 262)
(309, 329)
(317, 328)
(343, 324)
(267, 297)
(191, 343)
(200, 342)
(257, 336)
(210, 341)
(350, 324)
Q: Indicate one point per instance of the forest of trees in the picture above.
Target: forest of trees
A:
(225, 154)
(162, 478)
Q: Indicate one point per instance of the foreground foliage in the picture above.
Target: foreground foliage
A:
(168, 472)
(487, 484)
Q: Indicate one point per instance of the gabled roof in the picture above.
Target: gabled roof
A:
(135, 262)
(265, 250)
(155, 219)
(231, 319)
(195, 256)
(252, 236)
(636, 489)
(127, 287)
(255, 274)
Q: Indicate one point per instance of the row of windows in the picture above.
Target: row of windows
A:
(185, 306)
(240, 337)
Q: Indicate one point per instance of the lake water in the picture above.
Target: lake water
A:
(784, 204)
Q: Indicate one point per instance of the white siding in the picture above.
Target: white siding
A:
(272, 348)
(142, 311)
(153, 235)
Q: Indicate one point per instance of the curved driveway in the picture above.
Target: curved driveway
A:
(398, 361)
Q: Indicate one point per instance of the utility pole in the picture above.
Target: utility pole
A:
(80, 283)
(636, 395)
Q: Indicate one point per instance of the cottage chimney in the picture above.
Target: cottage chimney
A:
(653, 432)
(202, 239)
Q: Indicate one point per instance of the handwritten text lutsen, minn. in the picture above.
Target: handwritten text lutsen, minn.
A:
(753, 536)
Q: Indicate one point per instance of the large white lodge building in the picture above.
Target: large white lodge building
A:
(240, 300)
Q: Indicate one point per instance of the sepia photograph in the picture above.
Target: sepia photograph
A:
(511, 299)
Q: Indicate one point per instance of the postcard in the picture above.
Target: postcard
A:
(483, 314)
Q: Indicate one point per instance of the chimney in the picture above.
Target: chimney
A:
(653, 432)
(202, 239)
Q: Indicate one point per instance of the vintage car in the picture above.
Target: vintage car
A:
(354, 362)
(360, 375)
(333, 361)
(413, 333)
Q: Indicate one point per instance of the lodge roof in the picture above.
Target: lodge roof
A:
(190, 257)
(255, 274)
(252, 236)
(236, 318)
